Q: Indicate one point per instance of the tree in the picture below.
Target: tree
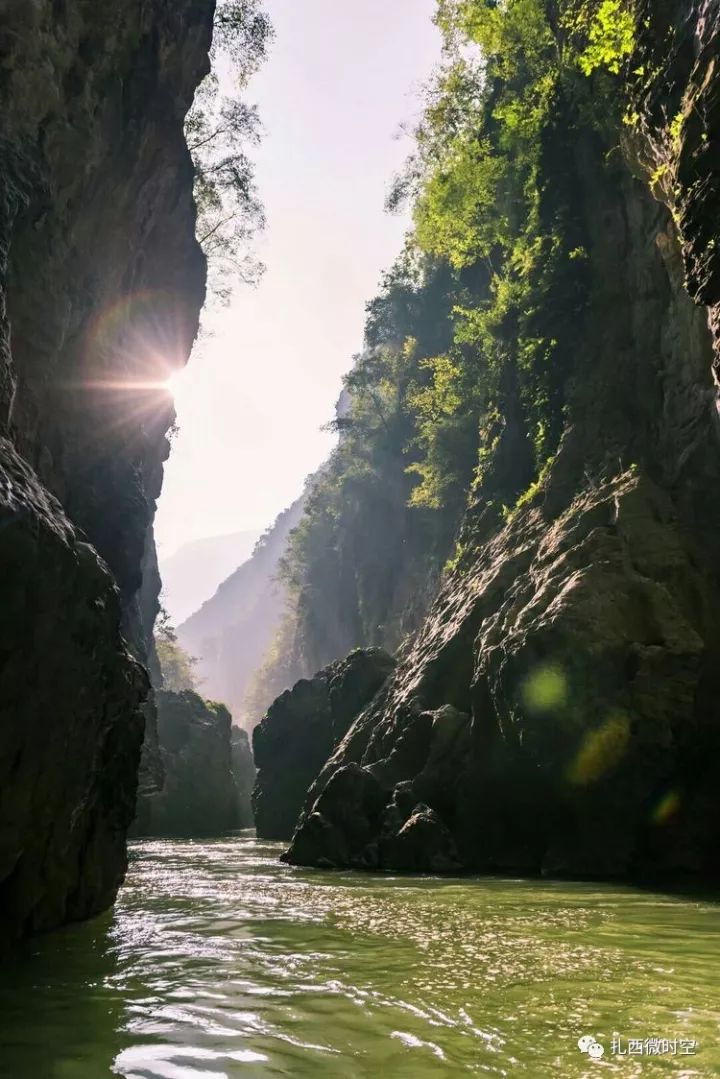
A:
(221, 129)
(176, 666)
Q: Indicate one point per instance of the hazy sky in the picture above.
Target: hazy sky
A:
(341, 79)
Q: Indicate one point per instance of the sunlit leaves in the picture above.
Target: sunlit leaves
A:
(445, 400)
(510, 33)
(477, 176)
(452, 215)
(611, 37)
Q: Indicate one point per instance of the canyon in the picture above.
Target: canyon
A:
(495, 637)
(423, 779)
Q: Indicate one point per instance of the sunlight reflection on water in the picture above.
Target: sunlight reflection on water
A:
(219, 961)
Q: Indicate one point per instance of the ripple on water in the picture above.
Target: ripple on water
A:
(219, 961)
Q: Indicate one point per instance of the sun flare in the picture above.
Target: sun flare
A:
(173, 382)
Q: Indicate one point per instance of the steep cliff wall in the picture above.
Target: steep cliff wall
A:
(558, 712)
(204, 789)
(101, 282)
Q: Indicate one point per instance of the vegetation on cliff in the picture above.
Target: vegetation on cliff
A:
(556, 698)
(177, 667)
(459, 397)
(221, 130)
(208, 771)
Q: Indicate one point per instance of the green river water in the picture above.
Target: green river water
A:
(218, 961)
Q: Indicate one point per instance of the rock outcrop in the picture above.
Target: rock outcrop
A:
(300, 730)
(70, 724)
(101, 282)
(201, 795)
(559, 712)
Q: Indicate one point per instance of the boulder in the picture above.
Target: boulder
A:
(300, 731)
(373, 816)
(422, 844)
(342, 826)
(357, 823)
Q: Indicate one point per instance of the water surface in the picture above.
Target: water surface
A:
(220, 962)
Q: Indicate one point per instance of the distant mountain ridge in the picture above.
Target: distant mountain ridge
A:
(194, 572)
(231, 632)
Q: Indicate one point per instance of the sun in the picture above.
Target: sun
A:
(172, 382)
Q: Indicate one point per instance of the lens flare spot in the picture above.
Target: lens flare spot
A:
(601, 751)
(666, 808)
(545, 689)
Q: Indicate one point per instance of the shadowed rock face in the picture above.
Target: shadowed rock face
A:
(300, 730)
(70, 727)
(101, 282)
(200, 795)
(243, 770)
(559, 710)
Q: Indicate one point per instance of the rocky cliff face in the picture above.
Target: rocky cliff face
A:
(206, 777)
(101, 282)
(558, 712)
(300, 731)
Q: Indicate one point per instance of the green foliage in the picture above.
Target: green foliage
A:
(242, 32)
(611, 37)
(675, 130)
(449, 215)
(667, 147)
(446, 423)
(360, 539)
(221, 130)
(176, 666)
(505, 110)
(460, 393)
(529, 496)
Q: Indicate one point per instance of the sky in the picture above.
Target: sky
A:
(341, 82)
